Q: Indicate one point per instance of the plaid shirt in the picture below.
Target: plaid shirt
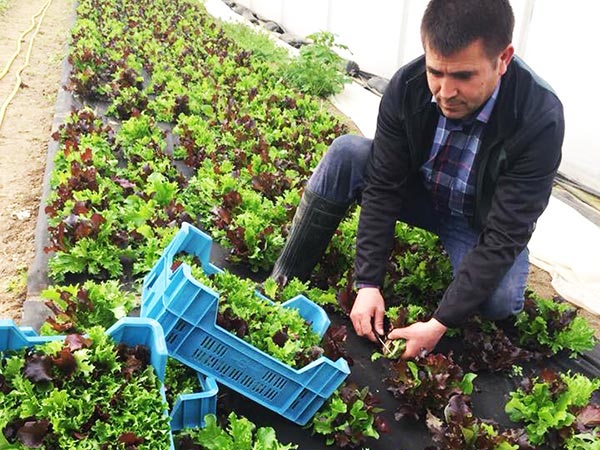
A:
(448, 174)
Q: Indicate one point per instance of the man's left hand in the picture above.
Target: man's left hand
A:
(420, 336)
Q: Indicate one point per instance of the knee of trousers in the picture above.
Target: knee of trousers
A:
(501, 306)
(347, 151)
(509, 297)
(339, 176)
(507, 300)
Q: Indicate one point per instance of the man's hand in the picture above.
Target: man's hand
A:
(368, 310)
(419, 336)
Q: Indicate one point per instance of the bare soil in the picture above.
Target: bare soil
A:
(24, 137)
(539, 280)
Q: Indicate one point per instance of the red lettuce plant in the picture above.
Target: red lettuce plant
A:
(426, 384)
(461, 430)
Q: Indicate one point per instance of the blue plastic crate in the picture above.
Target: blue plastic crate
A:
(187, 311)
(189, 409)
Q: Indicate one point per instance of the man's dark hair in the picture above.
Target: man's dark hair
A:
(449, 26)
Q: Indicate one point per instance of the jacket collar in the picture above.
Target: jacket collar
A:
(505, 116)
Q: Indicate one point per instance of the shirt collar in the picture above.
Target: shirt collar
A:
(484, 113)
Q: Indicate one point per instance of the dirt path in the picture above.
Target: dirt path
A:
(24, 136)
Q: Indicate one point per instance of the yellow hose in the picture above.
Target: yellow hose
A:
(42, 13)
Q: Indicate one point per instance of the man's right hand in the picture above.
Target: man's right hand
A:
(368, 311)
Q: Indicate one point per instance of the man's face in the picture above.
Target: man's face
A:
(463, 81)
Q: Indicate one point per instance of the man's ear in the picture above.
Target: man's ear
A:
(505, 58)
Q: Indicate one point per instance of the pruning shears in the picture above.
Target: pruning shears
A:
(382, 341)
(382, 338)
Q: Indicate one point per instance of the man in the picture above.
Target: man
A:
(467, 144)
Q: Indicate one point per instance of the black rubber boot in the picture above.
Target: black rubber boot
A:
(314, 223)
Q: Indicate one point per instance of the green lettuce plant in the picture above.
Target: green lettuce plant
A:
(81, 392)
(238, 433)
(553, 402)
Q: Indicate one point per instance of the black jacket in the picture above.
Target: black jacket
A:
(516, 163)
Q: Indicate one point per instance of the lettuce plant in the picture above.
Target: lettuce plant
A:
(461, 430)
(179, 379)
(552, 403)
(426, 384)
(488, 348)
(238, 433)
(349, 417)
(80, 306)
(81, 392)
(281, 332)
(551, 326)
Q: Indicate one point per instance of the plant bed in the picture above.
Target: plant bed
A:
(176, 86)
(103, 388)
(250, 140)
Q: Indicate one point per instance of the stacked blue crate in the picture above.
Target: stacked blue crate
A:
(187, 311)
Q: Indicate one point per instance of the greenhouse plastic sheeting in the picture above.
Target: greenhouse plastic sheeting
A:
(360, 105)
(221, 11)
(567, 245)
(382, 36)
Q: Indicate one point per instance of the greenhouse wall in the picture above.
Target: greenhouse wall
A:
(391, 27)
(554, 37)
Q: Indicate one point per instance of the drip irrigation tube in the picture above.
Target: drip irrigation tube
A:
(41, 13)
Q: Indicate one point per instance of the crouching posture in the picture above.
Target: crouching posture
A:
(467, 144)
